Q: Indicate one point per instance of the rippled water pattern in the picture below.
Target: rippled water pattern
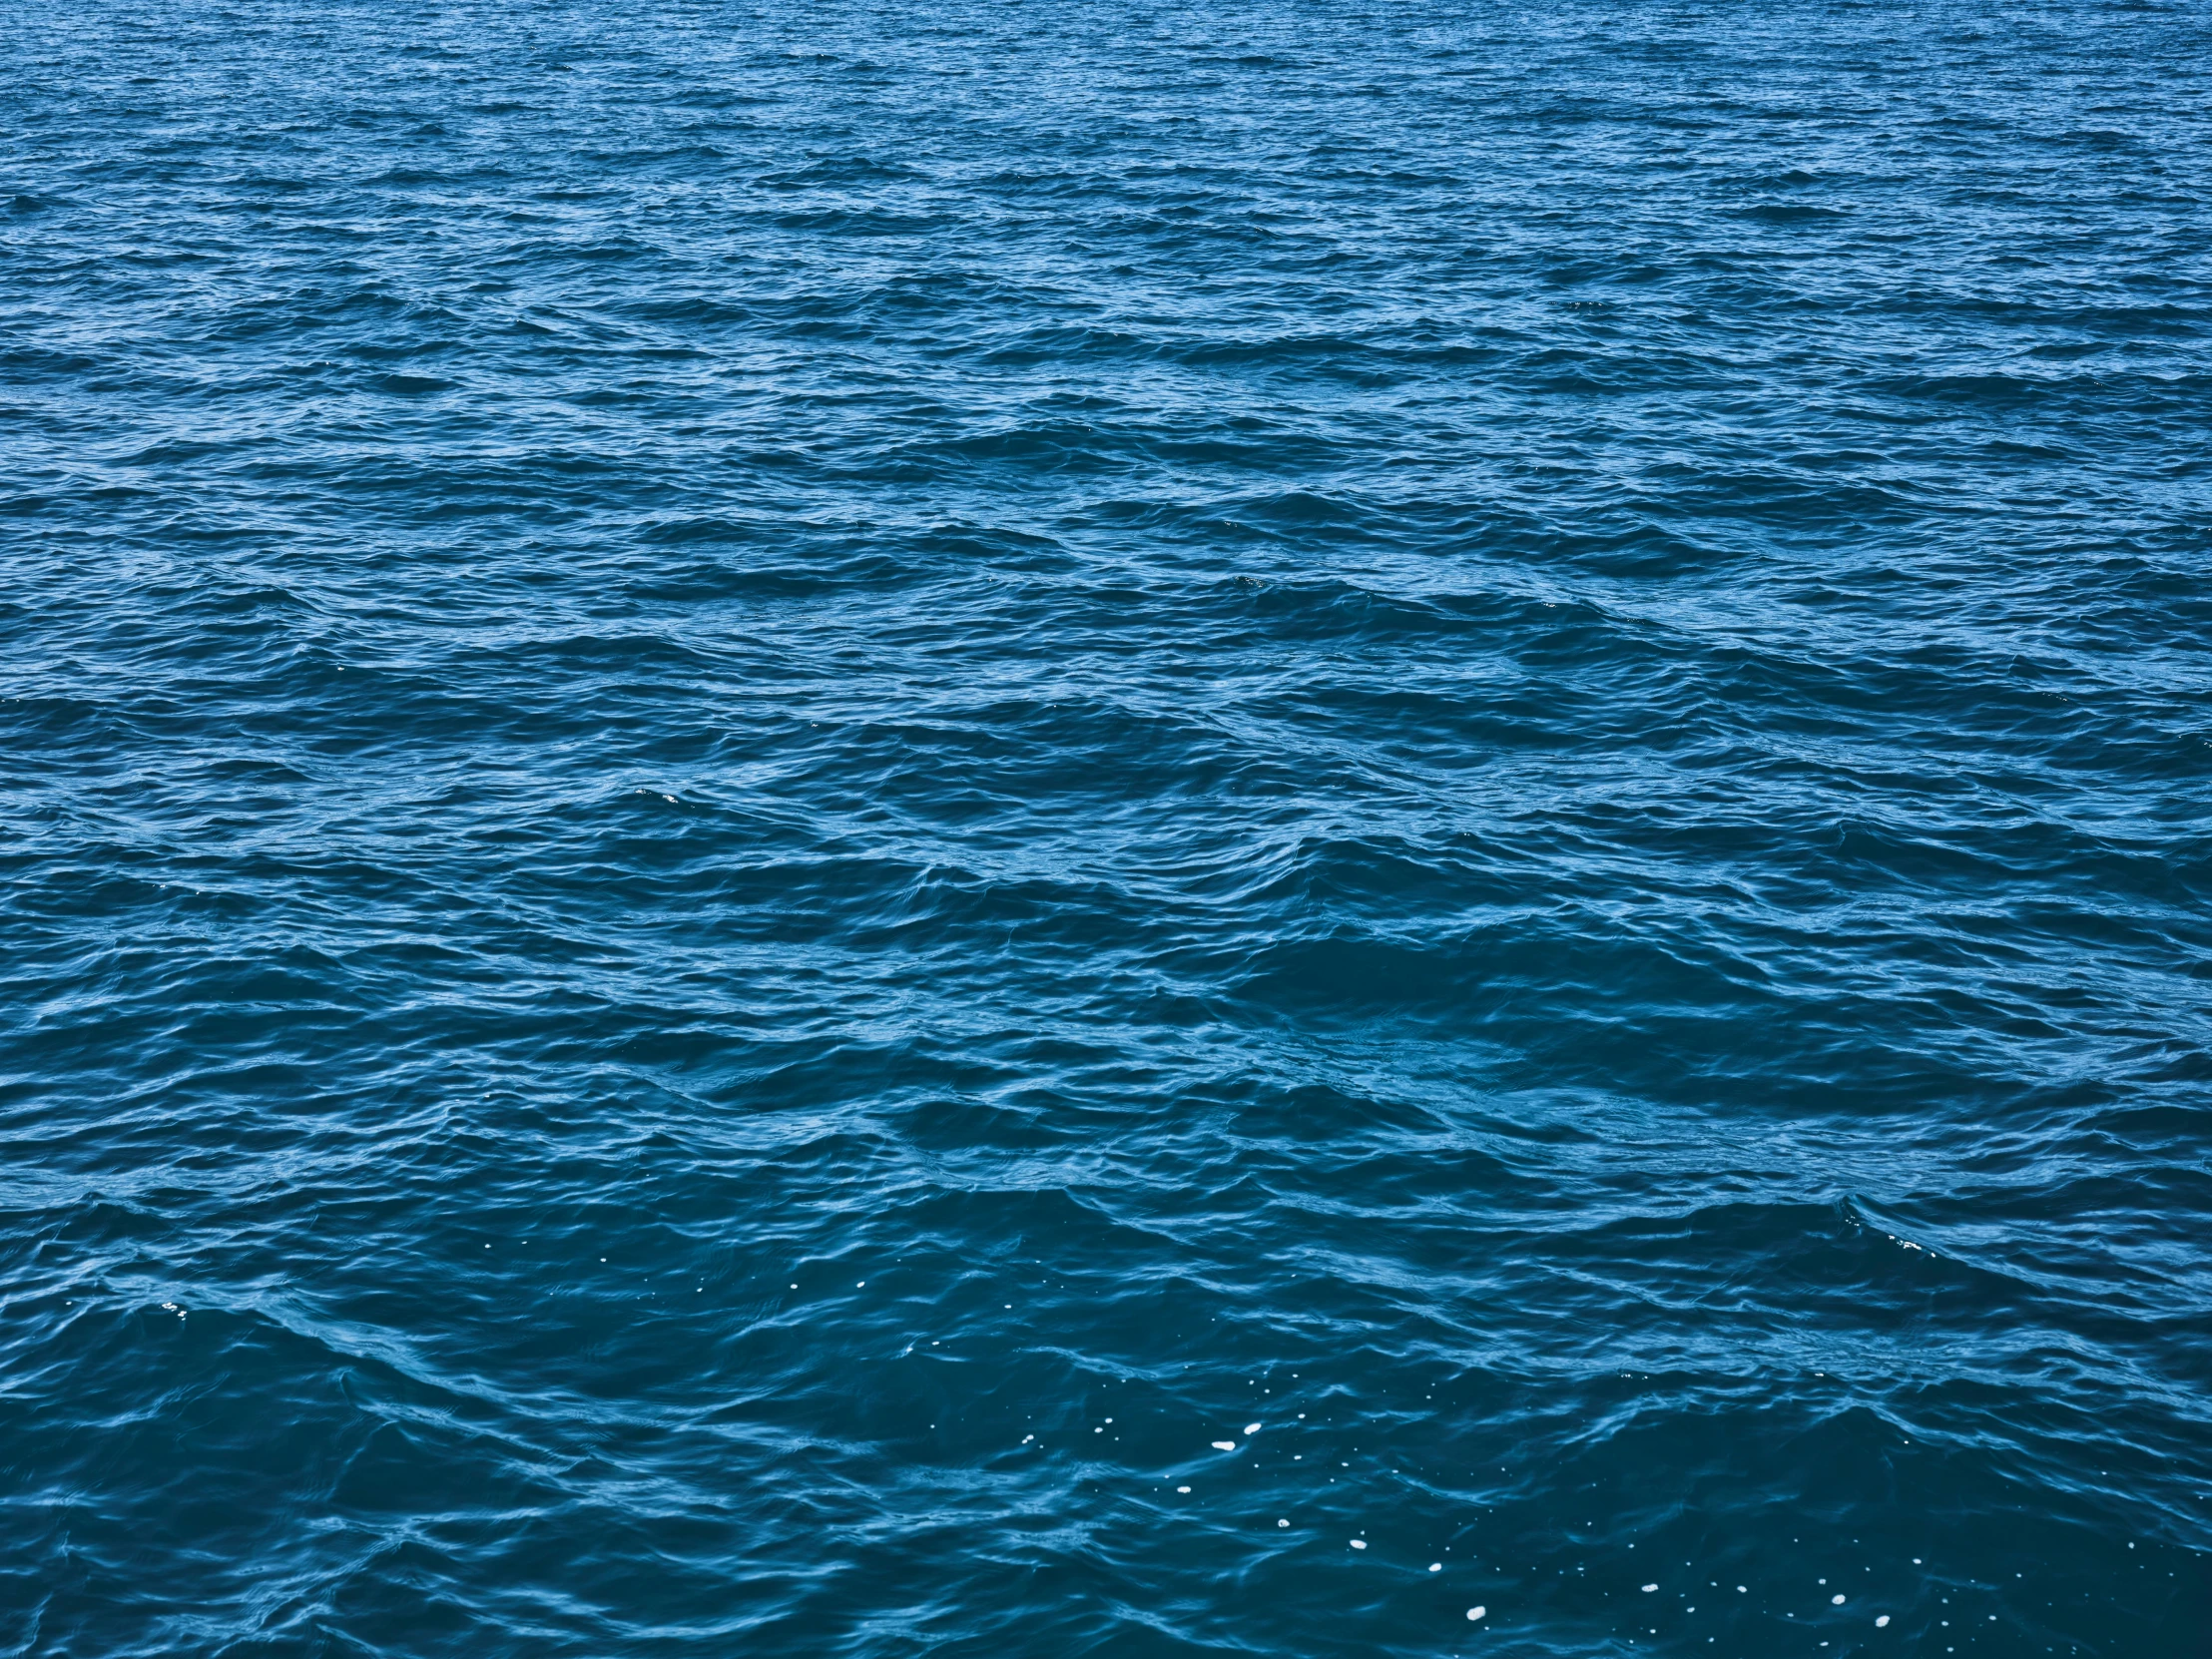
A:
(1295, 829)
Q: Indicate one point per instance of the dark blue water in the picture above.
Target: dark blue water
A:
(784, 788)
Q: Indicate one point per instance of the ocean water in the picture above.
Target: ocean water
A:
(1023, 828)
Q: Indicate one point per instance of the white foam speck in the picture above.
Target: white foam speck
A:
(1282, 1523)
(1436, 1566)
(1250, 1429)
(1477, 1613)
(1836, 1601)
(1648, 1588)
(1225, 1446)
(1182, 1488)
(1358, 1543)
(1883, 1623)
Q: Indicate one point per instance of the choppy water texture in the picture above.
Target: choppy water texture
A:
(788, 789)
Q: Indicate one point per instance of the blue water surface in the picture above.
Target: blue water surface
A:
(1311, 828)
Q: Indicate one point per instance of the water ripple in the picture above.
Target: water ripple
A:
(1131, 831)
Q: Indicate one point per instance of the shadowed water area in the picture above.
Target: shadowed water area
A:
(1105, 830)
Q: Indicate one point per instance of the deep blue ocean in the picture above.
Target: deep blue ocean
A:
(1013, 830)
